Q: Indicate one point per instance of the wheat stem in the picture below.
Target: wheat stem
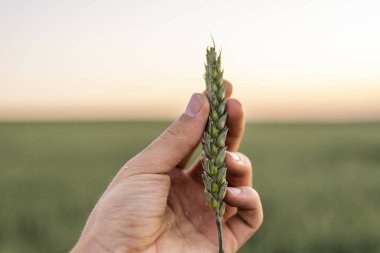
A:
(220, 233)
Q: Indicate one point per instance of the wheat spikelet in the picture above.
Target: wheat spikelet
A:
(214, 149)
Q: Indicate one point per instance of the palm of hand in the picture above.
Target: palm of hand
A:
(167, 217)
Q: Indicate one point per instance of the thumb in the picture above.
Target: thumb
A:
(176, 142)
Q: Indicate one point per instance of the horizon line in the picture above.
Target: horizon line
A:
(247, 121)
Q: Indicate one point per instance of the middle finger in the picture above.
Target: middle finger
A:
(239, 172)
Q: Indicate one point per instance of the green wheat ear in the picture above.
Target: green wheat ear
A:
(214, 148)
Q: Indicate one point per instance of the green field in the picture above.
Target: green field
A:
(319, 183)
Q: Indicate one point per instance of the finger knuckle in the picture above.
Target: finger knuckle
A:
(258, 210)
(171, 133)
(245, 159)
(177, 130)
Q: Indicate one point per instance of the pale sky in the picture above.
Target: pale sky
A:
(288, 59)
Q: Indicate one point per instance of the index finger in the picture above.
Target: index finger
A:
(235, 124)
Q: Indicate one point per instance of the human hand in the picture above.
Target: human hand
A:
(154, 205)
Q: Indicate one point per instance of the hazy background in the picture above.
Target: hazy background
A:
(85, 85)
(289, 60)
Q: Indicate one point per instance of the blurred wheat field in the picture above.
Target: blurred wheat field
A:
(319, 183)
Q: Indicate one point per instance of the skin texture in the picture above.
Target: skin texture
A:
(154, 205)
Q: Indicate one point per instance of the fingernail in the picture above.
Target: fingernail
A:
(234, 191)
(235, 156)
(194, 106)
